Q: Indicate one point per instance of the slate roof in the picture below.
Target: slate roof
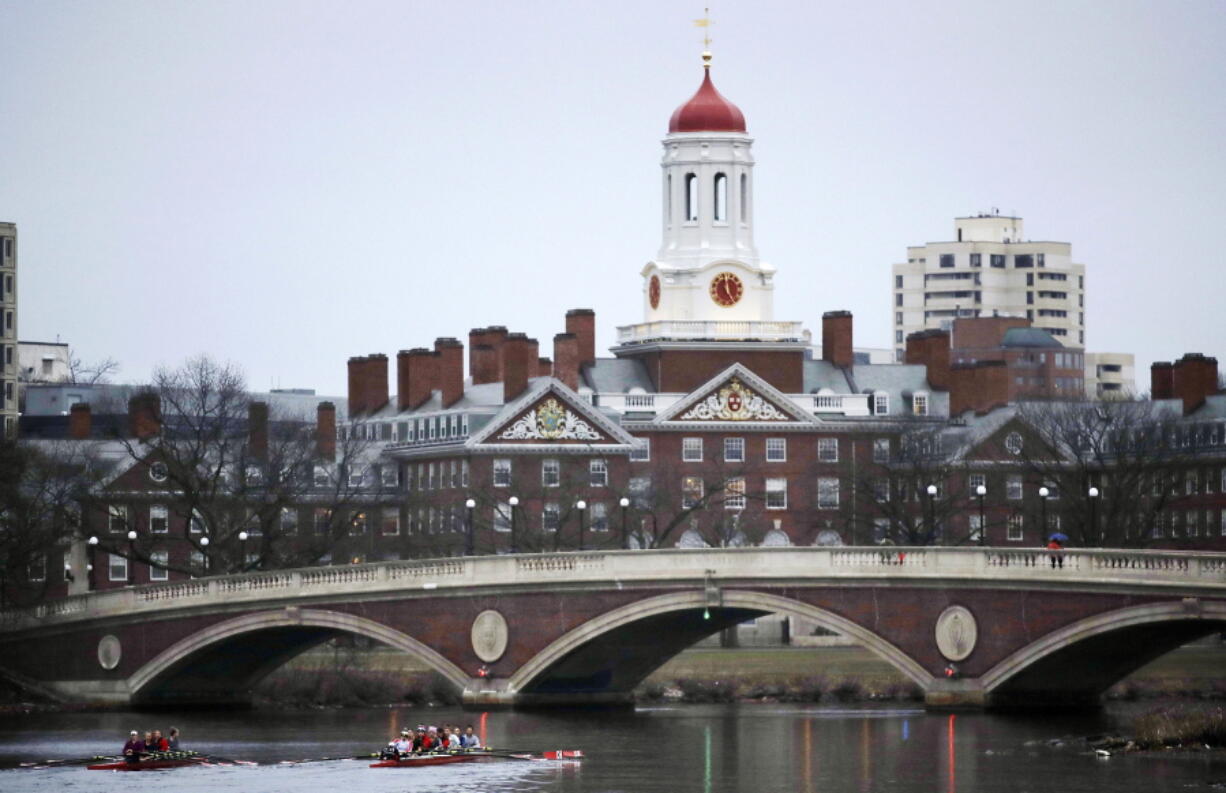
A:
(1029, 337)
(616, 376)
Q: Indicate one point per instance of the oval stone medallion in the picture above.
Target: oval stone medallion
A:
(489, 636)
(956, 632)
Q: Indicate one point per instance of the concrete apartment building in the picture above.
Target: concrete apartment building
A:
(989, 269)
(1110, 375)
(8, 330)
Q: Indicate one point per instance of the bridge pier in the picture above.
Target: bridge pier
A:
(958, 694)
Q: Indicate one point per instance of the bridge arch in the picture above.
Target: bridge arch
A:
(203, 666)
(734, 606)
(1075, 664)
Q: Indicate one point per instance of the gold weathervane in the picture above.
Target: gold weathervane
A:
(705, 24)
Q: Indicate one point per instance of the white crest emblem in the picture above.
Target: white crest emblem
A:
(550, 421)
(734, 402)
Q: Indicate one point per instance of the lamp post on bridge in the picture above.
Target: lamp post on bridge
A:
(624, 503)
(982, 491)
(1043, 494)
(469, 505)
(1093, 494)
(204, 552)
(932, 494)
(581, 505)
(514, 502)
(91, 549)
(242, 560)
(131, 557)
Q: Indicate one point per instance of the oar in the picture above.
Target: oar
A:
(518, 754)
(71, 761)
(371, 756)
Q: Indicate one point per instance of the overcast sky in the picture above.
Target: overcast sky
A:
(287, 184)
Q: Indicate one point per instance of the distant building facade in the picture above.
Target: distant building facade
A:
(44, 362)
(1111, 375)
(989, 269)
(8, 329)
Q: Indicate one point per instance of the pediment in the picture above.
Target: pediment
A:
(736, 395)
(552, 415)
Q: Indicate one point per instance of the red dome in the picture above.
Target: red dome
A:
(707, 111)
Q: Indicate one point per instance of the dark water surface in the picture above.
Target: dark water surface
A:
(759, 748)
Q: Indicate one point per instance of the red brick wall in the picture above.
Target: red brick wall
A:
(1194, 378)
(837, 338)
(673, 371)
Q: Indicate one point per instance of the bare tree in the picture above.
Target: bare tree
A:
(718, 501)
(91, 372)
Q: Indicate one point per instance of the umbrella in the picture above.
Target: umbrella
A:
(1059, 537)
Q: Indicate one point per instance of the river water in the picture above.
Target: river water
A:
(664, 749)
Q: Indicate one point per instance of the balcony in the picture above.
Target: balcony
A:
(699, 330)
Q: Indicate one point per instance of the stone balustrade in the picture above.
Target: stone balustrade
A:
(1174, 570)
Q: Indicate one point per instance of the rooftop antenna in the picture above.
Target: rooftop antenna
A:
(705, 24)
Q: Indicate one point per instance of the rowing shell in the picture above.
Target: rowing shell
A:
(415, 761)
(149, 765)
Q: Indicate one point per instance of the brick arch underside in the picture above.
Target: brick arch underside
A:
(220, 665)
(610, 655)
(1072, 667)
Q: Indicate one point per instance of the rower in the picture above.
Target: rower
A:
(134, 748)
(159, 744)
(453, 739)
(469, 739)
(403, 744)
(173, 739)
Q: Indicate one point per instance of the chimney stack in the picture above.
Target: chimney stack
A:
(544, 367)
(416, 376)
(930, 348)
(566, 359)
(257, 430)
(375, 392)
(836, 339)
(582, 323)
(516, 360)
(80, 421)
(145, 415)
(450, 371)
(357, 386)
(484, 361)
(325, 430)
(1195, 377)
(1162, 380)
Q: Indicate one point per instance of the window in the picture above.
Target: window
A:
(776, 450)
(598, 473)
(388, 474)
(734, 450)
(430, 478)
(463, 473)
(550, 516)
(289, 521)
(898, 299)
(691, 450)
(117, 518)
(551, 473)
(744, 198)
(1190, 483)
(721, 197)
(157, 472)
(691, 197)
(117, 568)
(881, 403)
(997, 260)
(827, 493)
(1193, 523)
(734, 495)
(691, 491)
(502, 516)
(642, 452)
(1016, 528)
(391, 522)
(828, 450)
(36, 570)
(502, 472)
(881, 450)
(159, 521)
(600, 516)
(157, 566)
(776, 494)
(976, 260)
(1013, 442)
(976, 528)
(640, 492)
(919, 404)
(1013, 488)
(975, 481)
(947, 260)
(1053, 490)
(881, 490)
(322, 520)
(1023, 260)
(357, 524)
(898, 282)
(321, 476)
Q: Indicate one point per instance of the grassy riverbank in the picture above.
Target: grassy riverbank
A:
(331, 677)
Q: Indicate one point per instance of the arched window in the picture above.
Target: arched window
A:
(721, 197)
(744, 198)
(668, 200)
(691, 197)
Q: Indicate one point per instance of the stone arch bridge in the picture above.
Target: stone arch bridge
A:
(585, 628)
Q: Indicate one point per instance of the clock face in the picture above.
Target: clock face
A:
(726, 289)
(653, 291)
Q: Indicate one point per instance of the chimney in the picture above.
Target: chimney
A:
(544, 367)
(80, 421)
(515, 361)
(1162, 380)
(375, 391)
(450, 374)
(566, 359)
(144, 415)
(484, 361)
(930, 348)
(257, 430)
(325, 430)
(1195, 378)
(357, 386)
(836, 339)
(416, 375)
(496, 337)
(582, 323)
(534, 356)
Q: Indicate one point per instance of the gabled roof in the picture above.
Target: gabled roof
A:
(737, 397)
(581, 426)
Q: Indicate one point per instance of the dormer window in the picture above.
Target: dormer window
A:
(881, 403)
(919, 403)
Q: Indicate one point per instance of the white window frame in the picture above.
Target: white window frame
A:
(390, 517)
(598, 472)
(642, 452)
(551, 516)
(881, 403)
(116, 512)
(1016, 527)
(551, 472)
(1015, 488)
(691, 450)
(974, 481)
(828, 486)
(827, 450)
(692, 495)
(502, 472)
(463, 473)
(599, 517)
(734, 450)
(734, 493)
(776, 450)
(389, 475)
(289, 521)
(777, 493)
(919, 403)
(881, 450)
(159, 512)
(501, 520)
(157, 573)
(116, 562)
